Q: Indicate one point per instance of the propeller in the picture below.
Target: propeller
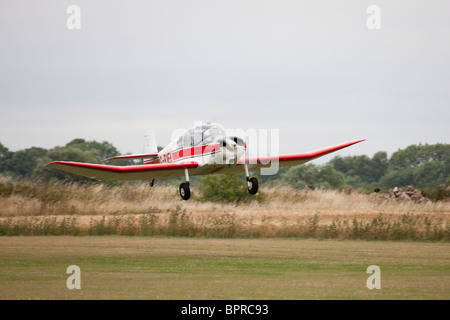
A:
(230, 144)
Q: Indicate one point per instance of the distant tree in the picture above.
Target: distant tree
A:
(78, 150)
(416, 155)
(301, 176)
(418, 165)
(398, 178)
(328, 177)
(5, 155)
(272, 179)
(325, 176)
(353, 166)
(64, 154)
(103, 149)
(378, 166)
(23, 162)
(342, 164)
(430, 174)
(406, 158)
(361, 170)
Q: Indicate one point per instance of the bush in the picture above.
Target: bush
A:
(226, 188)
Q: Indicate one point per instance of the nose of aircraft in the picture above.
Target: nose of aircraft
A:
(234, 149)
(230, 144)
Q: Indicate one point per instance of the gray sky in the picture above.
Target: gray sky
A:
(311, 69)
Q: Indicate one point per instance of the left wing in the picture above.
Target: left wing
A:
(113, 173)
(293, 159)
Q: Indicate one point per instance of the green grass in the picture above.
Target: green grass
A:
(124, 267)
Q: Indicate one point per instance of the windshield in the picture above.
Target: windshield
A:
(202, 134)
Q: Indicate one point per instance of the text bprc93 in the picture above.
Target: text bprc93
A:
(246, 309)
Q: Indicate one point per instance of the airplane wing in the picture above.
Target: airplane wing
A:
(293, 159)
(113, 173)
(257, 163)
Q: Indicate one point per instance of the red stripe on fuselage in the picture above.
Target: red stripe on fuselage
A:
(188, 152)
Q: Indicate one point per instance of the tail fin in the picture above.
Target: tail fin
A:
(150, 145)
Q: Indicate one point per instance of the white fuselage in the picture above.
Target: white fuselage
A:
(209, 154)
(206, 144)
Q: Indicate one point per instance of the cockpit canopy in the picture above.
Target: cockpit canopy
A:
(203, 134)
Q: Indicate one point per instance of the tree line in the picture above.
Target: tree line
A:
(422, 165)
(30, 163)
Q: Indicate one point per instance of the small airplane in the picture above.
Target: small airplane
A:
(200, 150)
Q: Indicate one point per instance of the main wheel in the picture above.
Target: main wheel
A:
(252, 185)
(185, 191)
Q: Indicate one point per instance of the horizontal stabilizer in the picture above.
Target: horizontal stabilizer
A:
(134, 156)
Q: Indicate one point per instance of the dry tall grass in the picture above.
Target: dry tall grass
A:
(24, 198)
(23, 202)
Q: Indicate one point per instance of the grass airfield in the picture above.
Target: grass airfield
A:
(121, 267)
(126, 248)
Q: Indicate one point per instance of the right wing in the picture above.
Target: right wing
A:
(113, 173)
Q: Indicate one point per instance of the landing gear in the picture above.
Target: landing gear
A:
(151, 182)
(185, 191)
(252, 183)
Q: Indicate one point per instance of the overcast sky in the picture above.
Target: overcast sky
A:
(311, 69)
